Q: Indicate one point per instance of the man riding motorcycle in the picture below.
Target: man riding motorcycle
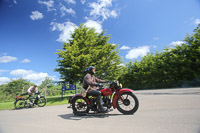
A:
(92, 82)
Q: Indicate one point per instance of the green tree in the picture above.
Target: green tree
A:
(13, 88)
(173, 67)
(88, 48)
(47, 82)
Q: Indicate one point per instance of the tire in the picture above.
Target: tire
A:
(41, 101)
(130, 104)
(19, 104)
(80, 106)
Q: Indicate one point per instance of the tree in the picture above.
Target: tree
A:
(174, 67)
(88, 48)
(13, 88)
(47, 82)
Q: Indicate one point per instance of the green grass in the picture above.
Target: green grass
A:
(50, 101)
(7, 105)
(57, 100)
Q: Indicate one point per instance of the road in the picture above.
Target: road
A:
(160, 111)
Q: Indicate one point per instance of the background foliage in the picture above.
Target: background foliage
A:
(173, 67)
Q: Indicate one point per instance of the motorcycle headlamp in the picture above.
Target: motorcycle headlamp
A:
(120, 85)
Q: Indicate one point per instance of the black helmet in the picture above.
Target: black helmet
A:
(90, 69)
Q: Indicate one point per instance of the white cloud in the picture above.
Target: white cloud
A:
(197, 21)
(155, 38)
(138, 52)
(49, 4)
(25, 61)
(94, 24)
(66, 29)
(20, 72)
(125, 47)
(64, 10)
(36, 76)
(177, 43)
(14, 1)
(36, 15)
(100, 9)
(83, 1)
(154, 46)
(193, 21)
(6, 59)
(71, 1)
(31, 75)
(4, 80)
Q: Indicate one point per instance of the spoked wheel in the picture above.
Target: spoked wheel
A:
(19, 104)
(80, 106)
(127, 103)
(42, 101)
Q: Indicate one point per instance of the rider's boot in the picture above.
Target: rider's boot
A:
(101, 108)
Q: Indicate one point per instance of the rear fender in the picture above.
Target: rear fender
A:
(79, 95)
(114, 102)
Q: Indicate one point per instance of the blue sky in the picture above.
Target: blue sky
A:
(31, 31)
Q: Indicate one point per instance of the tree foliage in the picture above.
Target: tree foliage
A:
(13, 88)
(47, 82)
(88, 48)
(174, 67)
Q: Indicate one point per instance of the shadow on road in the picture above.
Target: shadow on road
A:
(90, 115)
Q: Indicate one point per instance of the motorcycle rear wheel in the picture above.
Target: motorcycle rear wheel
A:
(80, 106)
(129, 105)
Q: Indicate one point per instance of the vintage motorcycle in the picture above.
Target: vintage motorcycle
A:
(29, 101)
(113, 96)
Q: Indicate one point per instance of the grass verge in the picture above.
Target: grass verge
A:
(50, 101)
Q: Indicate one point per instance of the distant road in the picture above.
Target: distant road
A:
(160, 111)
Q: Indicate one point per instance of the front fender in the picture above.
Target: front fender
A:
(114, 102)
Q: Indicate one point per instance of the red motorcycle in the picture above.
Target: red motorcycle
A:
(114, 96)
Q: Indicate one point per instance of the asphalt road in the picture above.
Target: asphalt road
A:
(160, 111)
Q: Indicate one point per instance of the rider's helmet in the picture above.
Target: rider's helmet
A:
(90, 69)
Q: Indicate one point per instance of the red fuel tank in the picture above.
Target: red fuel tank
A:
(106, 92)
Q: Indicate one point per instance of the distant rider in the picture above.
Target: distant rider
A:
(92, 81)
(32, 90)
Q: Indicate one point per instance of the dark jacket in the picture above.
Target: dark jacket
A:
(91, 80)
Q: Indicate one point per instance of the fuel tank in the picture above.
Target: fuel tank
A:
(106, 91)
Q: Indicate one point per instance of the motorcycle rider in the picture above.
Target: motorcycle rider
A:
(31, 90)
(92, 81)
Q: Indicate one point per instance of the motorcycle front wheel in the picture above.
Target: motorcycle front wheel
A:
(127, 103)
(80, 106)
